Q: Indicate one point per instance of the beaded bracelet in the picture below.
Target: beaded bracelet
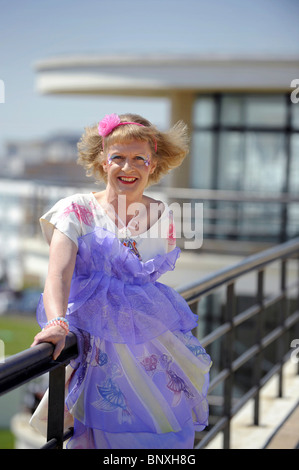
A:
(59, 321)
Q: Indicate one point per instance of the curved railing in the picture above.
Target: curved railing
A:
(227, 278)
(35, 361)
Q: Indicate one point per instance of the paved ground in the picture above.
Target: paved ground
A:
(287, 436)
(279, 418)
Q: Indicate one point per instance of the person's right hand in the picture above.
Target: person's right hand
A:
(54, 334)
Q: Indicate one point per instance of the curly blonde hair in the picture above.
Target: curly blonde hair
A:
(172, 146)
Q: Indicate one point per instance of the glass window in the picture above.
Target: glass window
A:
(247, 152)
(295, 115)
(202, 160)
(231, 160)
(253, 110)
(265, 162)
(232, 110)
(252, 161)
(294, 170)
(204, 111)
(263, 110)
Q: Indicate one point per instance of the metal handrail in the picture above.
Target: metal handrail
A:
(227, 218)
(196, 289)
(225, 195)
(227, 277)
(33, 362)
(18, 369)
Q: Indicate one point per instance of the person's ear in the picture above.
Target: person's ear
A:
(104, 163)
(153, 166)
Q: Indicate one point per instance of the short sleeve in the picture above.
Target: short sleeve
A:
(66, 216)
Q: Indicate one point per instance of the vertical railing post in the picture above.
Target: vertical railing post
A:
(56, 405)
(258, 363)
(282, 319)
(228, 360)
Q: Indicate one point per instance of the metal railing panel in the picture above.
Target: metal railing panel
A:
(226, 277)
(31, 363)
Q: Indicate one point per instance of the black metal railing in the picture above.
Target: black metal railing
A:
(34, 362)
(240, 221)
(242, 217)
(287, 301)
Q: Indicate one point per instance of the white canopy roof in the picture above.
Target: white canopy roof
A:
(160, 75)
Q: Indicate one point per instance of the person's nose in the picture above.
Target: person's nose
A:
(128, 166)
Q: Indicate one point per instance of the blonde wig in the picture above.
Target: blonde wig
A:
(172, 146)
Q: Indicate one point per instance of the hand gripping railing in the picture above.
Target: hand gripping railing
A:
(34, 362)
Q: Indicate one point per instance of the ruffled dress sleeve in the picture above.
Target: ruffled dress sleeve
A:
(68, 216)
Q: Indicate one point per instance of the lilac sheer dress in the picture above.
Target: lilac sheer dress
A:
(141, 377)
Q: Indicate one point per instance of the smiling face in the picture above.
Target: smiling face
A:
(128, 166)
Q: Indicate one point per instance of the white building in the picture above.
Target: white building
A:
(244, 127)
(23, 157)
(244, 162)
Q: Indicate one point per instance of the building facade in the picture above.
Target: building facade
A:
(243, 116)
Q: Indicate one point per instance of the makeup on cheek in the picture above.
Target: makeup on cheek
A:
(109, 159)
(143, 160)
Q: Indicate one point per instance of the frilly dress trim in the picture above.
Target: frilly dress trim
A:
(116, 297)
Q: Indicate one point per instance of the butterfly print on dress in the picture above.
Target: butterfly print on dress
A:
(177, 385)
(112, 399)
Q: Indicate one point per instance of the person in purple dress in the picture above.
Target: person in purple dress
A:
(141, 378)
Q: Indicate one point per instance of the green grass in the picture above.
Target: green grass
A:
(7, 439)
(17, 332)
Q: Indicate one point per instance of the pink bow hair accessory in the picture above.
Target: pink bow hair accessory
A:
(108, 123)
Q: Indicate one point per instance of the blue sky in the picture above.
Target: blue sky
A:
(32, 30)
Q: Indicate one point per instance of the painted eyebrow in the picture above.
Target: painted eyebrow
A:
(146, 159)
(119, 154)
